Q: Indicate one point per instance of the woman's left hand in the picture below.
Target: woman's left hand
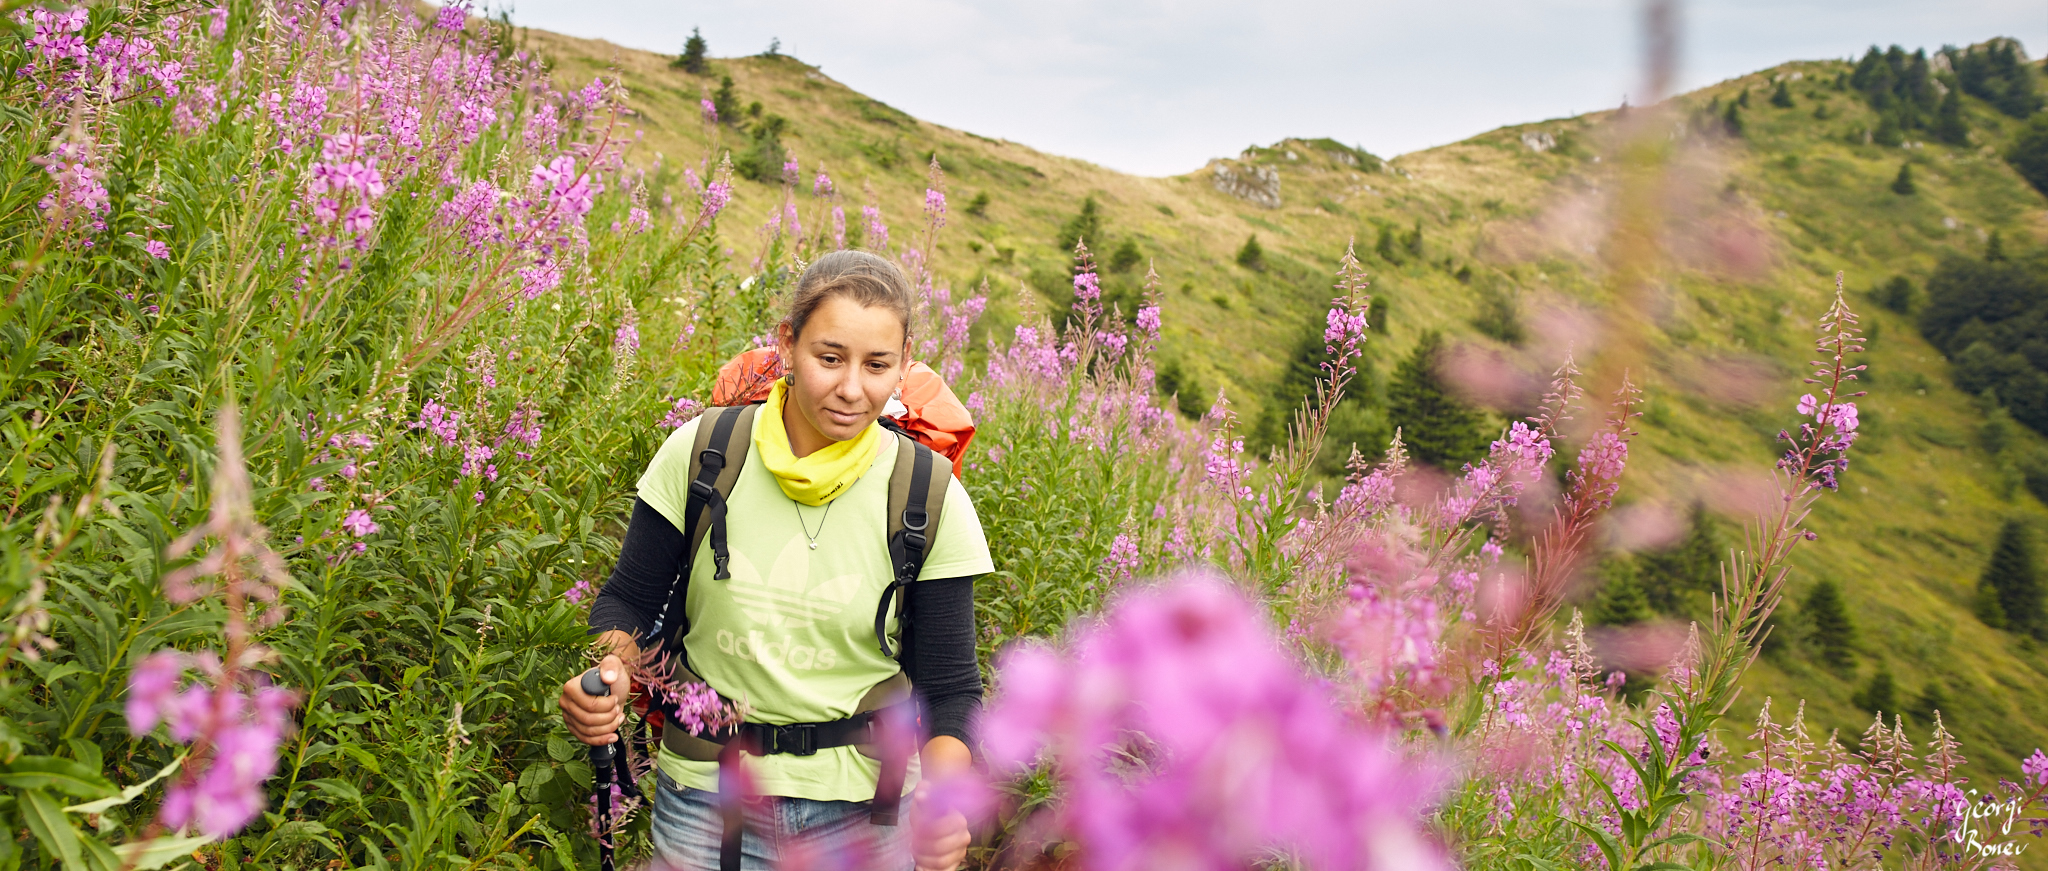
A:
(938, 836)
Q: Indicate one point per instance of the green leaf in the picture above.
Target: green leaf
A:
(559, 749)
(127, 795)
(1662, 866)
(153, 853)
(65, 775)
(47, 822)
(1608, 848)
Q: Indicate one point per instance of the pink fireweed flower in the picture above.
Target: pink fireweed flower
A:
(715, 197)
(839, 228)
(791, 171)
(681, 411)
(878, 232)
(539, 278)
(822, 187)
(708, 110)
(1086, 287)
(444, 423)
(236, 722)
(359, 524)
(451, 17)
(626, 339)
(157, 249)
(1123, 559)
(476, 460)
(524, 426)
(1148, 321)
(578, 591)
(1243, 753)
(935, 207)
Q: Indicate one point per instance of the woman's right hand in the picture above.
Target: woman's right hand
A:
(596, 719)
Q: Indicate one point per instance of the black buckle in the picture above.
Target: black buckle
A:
(918, 524)
(702, 490)
(795, 739)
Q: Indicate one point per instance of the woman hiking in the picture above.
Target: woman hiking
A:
(779, 606)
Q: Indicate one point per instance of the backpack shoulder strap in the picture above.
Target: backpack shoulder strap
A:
(723, 437)
(917, 498)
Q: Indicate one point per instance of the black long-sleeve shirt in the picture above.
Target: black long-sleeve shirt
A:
(938, 626)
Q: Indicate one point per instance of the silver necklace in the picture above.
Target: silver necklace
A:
(813, 537)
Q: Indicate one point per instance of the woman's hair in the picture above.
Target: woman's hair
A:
(865, 278)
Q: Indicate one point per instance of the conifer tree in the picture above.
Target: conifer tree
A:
(1385, 246)
(2014, 581)
(1828, 625)
(1731, 121)
(1932, 700)
(1436, 427)
(692, 59)
(1673, 578)
(1903, 184)
(725, 101)
(1782, 97)
(978, 206)
(1898, 295)
(1084, 226)
(1125, 256)
(1622, 601)
(1994, 248)
(1251, 256)
(1949, 125)
(1881, 695)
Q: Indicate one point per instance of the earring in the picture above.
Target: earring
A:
(789, 379)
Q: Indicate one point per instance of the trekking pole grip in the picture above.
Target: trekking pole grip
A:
(600, 754)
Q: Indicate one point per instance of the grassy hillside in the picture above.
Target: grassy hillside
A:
(1510, 221)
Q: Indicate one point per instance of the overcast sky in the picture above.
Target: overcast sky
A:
(1158, 88)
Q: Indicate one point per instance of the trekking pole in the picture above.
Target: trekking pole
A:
(601, 771)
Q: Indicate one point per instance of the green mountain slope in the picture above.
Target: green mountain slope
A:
(1508, 221)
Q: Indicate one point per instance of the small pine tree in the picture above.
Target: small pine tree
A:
(1899, 295)
(1828, 625)
(1949, 124)
(1903, 184)
(1385, 246)
(1083, 226)
(1994, 248)
(1251, 256)
(1674, 578)
(1411, 241)
(774, 47)
(1743, 99)
(1731, 120)
(1437, 428)
(1881, 695)
(2028, 152)
(2013, 577)
(1931, 701)
(1782, 97)
(1125, 257)
(1622, 601)
(692, 59)
(978, 206)
(725, 101)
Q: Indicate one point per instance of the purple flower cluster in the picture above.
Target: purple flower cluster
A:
(681, 410)
(234, 720)
(80, 198)
(1187, 738)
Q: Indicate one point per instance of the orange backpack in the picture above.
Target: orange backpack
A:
(932, 414)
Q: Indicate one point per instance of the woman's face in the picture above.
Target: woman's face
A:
(846, 364)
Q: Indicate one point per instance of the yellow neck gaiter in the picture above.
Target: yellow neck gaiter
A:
(827, 472)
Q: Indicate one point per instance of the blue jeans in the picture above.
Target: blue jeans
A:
(792, 834)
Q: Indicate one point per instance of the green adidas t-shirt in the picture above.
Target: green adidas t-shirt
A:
(792, 632)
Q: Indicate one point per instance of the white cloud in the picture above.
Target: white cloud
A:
(1159, 87)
